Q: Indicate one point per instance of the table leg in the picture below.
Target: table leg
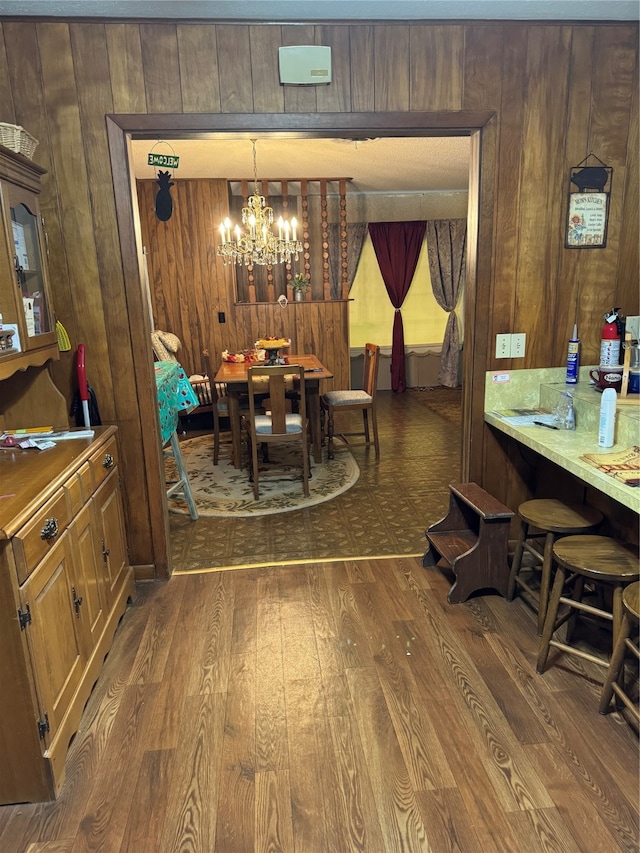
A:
(183, 486)
(313, 413)
(235, 425)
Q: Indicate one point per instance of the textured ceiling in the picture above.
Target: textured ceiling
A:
(336, 10)
(416, 164)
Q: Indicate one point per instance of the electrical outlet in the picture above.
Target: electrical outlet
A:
(503, 346)
(518, 344)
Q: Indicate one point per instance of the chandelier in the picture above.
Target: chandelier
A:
(258, 244)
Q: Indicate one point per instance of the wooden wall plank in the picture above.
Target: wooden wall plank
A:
(510, 72)
(7, 109)
(542, 171)
(436, 67)
(391, 70)
(628, 273)
(91, 63)
(574, 306)
(26, 84)
(484, 76)
(336, 97)
(234, 55)
(198, 59)
(268, 96)
(72, 188)
(615, 55)
(363, 52)
(125, 68)
(161, 68)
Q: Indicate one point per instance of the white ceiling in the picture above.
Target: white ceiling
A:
(330, 10)
(416, 164)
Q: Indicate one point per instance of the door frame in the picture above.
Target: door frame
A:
(479, 125)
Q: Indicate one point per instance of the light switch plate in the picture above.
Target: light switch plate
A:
(503, 346)
(632, 325)
(518, 344)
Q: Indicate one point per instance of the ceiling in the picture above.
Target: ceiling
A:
(330, 10)
(416, 164)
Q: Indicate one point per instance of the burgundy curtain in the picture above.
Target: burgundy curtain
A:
(397, 246)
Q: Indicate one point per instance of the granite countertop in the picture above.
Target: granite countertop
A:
(532, 388)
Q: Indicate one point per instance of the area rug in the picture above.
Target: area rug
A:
(224, 491)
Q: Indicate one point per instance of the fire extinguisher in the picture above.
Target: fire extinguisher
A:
(610, 338)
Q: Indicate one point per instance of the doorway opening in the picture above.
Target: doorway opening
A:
(123, 129)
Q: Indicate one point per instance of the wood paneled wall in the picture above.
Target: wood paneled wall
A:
(190, 286)
(556, 92)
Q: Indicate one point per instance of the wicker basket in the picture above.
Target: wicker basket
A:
(17, 139)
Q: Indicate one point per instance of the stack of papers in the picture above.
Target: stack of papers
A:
(525, 417)
(40, 439)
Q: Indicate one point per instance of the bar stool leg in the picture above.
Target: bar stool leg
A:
(576, 594)
(618, 611)
(550, 619)
(517, 560)
(616, 664)
(545, 580)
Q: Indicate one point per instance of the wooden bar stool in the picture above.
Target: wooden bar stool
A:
(614, 682)
(553, 519)
(598, 559)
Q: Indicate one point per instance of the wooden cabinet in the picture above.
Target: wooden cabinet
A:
(65, 581)
(28, 335)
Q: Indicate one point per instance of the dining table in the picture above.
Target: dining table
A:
(235, 376)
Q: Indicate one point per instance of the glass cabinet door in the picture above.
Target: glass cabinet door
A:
(28, 258)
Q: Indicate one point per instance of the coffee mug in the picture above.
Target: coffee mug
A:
(634, 382)
(606, 376)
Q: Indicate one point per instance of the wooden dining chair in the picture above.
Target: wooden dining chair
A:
(363, 401)
(277, 425)
(217, 393)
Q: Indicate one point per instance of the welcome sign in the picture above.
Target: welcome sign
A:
(168, 161)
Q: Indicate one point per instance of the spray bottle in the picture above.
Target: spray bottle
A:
(573, 357)
(607, 423)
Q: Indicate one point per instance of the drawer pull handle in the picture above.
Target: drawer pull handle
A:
(50, 529)
(77, 601)
(107, 462)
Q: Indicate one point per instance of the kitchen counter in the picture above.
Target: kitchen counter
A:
(542, 388)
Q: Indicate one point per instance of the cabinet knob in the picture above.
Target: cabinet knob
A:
(105, 552)
(107, 462)
(50, 529)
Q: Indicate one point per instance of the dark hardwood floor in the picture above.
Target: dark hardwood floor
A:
(337, 706)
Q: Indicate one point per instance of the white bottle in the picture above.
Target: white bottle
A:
(607, 424)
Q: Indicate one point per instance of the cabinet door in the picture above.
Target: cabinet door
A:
(54, 633)
(29, 261)
(91, 584)
(113, 540)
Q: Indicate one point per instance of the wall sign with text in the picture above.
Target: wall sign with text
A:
(588, 206)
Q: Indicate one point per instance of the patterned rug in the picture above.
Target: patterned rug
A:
(224, 491)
